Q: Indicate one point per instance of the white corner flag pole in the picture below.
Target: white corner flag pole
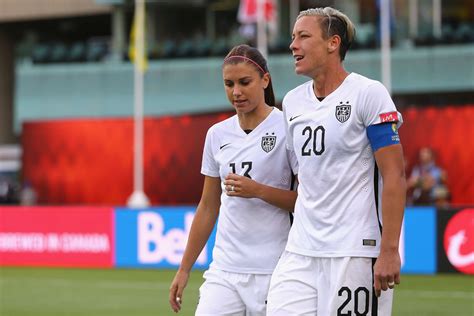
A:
(261, 28)
(385, 44)
(138, 199)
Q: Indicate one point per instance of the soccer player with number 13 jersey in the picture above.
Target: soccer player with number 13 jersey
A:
(248, 176)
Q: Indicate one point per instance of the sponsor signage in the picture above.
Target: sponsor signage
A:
(418, 240)
(431, 240)
(56, 236)
(456, 241)
(389, 117)
(156, 237)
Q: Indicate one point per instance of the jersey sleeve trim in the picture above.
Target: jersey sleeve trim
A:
(210, 173)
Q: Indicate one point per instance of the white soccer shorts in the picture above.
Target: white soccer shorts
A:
(236, 294)
(303, 285)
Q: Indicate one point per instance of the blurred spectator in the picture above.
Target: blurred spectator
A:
(427, 182)
(9, 191)
(28, 194)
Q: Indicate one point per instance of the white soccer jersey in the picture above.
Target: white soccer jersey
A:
(336, 211)
(251, 234)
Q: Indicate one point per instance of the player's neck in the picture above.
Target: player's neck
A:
(325, 82)
(249, 121)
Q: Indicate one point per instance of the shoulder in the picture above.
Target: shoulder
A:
(363, 82)
(276, 118)
(277, 113)
(298, 91)
(224, 125)
(367, 85)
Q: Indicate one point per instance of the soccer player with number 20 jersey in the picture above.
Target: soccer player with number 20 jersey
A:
(342, 252)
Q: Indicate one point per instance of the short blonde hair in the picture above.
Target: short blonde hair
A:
(335, 23)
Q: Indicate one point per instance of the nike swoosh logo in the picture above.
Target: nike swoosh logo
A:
(293, 117)
(224, 146)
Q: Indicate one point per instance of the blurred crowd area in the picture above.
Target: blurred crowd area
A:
(192, 29)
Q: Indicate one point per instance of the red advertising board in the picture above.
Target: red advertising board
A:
(57, 236)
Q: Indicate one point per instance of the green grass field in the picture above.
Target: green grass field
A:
(54, 291)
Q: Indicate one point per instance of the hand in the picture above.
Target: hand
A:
(236, 185)
(386, 271)
(176, 290)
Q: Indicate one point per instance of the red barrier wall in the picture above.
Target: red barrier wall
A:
(90, 161)
(54, 236)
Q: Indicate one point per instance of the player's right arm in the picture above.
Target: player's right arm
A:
(201, 228)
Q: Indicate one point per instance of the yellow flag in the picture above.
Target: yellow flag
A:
(137, 47)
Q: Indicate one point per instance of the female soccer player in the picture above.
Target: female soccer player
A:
(248, 176)
(343, 128)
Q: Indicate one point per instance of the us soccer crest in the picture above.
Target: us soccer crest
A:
(268, 142)
(343, 111)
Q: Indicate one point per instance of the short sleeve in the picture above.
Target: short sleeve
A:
(293, 161)
(378, 106)
(289, 140)
(209, 166)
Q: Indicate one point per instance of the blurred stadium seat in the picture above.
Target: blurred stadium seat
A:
(97, 49)
(202, 47)
(58, 52)
(365, 37)
(168, 49)
(464, 33)
(450, 34)
(425, 38)
(77, 52)
(447, 34)
(219, 47)
(40, 53)
(185, 49)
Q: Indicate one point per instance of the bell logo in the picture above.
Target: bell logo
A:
(459, 241)
(154, 245)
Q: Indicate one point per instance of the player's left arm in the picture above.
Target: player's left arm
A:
(247, 188)
(391, 166)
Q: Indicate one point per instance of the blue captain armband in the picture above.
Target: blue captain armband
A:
(382, 135)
